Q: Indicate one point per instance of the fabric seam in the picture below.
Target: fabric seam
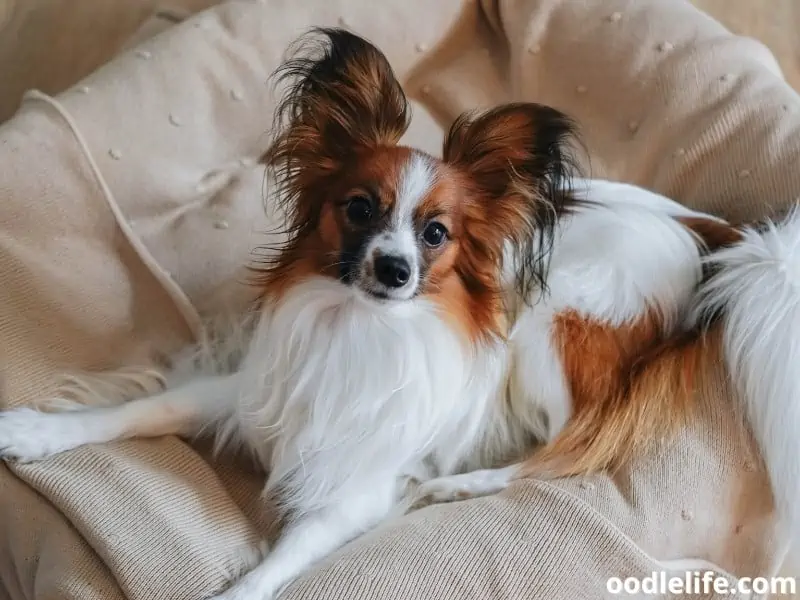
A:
(179, 298)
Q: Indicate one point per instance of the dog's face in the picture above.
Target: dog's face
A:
(394, 228)
(395, 223)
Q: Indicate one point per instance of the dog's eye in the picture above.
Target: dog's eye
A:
(435, 234)
(359, 210)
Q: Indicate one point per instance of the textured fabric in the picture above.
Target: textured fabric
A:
(129, 203)
(50, 44)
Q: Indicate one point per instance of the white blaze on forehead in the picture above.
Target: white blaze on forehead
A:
(416, 181)
(399, 239)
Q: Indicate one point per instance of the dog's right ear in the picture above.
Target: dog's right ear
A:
(342, 98)
(517, 158)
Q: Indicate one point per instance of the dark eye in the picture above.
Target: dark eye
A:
(435, 234)
(359, 210)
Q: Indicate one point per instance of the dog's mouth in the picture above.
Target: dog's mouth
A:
(377, 295)
(381, 295)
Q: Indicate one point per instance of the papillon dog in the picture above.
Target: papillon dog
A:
(425, 321)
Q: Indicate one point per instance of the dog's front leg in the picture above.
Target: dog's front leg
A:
(28, 435)
(312, 536)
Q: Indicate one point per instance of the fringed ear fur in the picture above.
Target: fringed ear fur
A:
(517, 159)
(342, 98)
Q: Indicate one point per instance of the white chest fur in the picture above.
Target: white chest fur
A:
(340, 391)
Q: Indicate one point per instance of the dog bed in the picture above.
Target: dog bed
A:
(131, 201)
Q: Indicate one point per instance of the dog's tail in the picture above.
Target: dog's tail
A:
(755, 290)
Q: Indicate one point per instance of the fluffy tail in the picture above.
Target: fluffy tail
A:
(756, 290)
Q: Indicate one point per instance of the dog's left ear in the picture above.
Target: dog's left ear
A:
(517, 161)
(342, 98)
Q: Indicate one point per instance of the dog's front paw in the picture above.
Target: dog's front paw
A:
(27, 435)
(442, 489)
(473, 484)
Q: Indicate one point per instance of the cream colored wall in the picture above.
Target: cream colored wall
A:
(50, 44)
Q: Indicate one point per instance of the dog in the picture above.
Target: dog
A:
(424, 321)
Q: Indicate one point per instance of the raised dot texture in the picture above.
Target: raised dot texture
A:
(633, 126)
(665, 47)
(615, 17)
(143, 54)
(421, 47)
(114, 153)
(686, 515)
(680, 152)
(175, 120)
(236, 95)
(744, 174)
(221, 224)
(342, 22)
(534, 49)
(84, 89)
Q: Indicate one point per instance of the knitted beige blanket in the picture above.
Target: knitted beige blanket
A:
(130, 202)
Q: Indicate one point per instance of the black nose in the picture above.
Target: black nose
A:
(392, 271)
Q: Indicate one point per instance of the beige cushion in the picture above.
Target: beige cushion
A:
(130, 202)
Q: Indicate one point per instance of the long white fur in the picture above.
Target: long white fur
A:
(378, 391)
(758, 289)
(379, 388)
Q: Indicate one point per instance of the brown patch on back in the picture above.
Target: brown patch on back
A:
(630, 389)
(715, 235)
(598, 357)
